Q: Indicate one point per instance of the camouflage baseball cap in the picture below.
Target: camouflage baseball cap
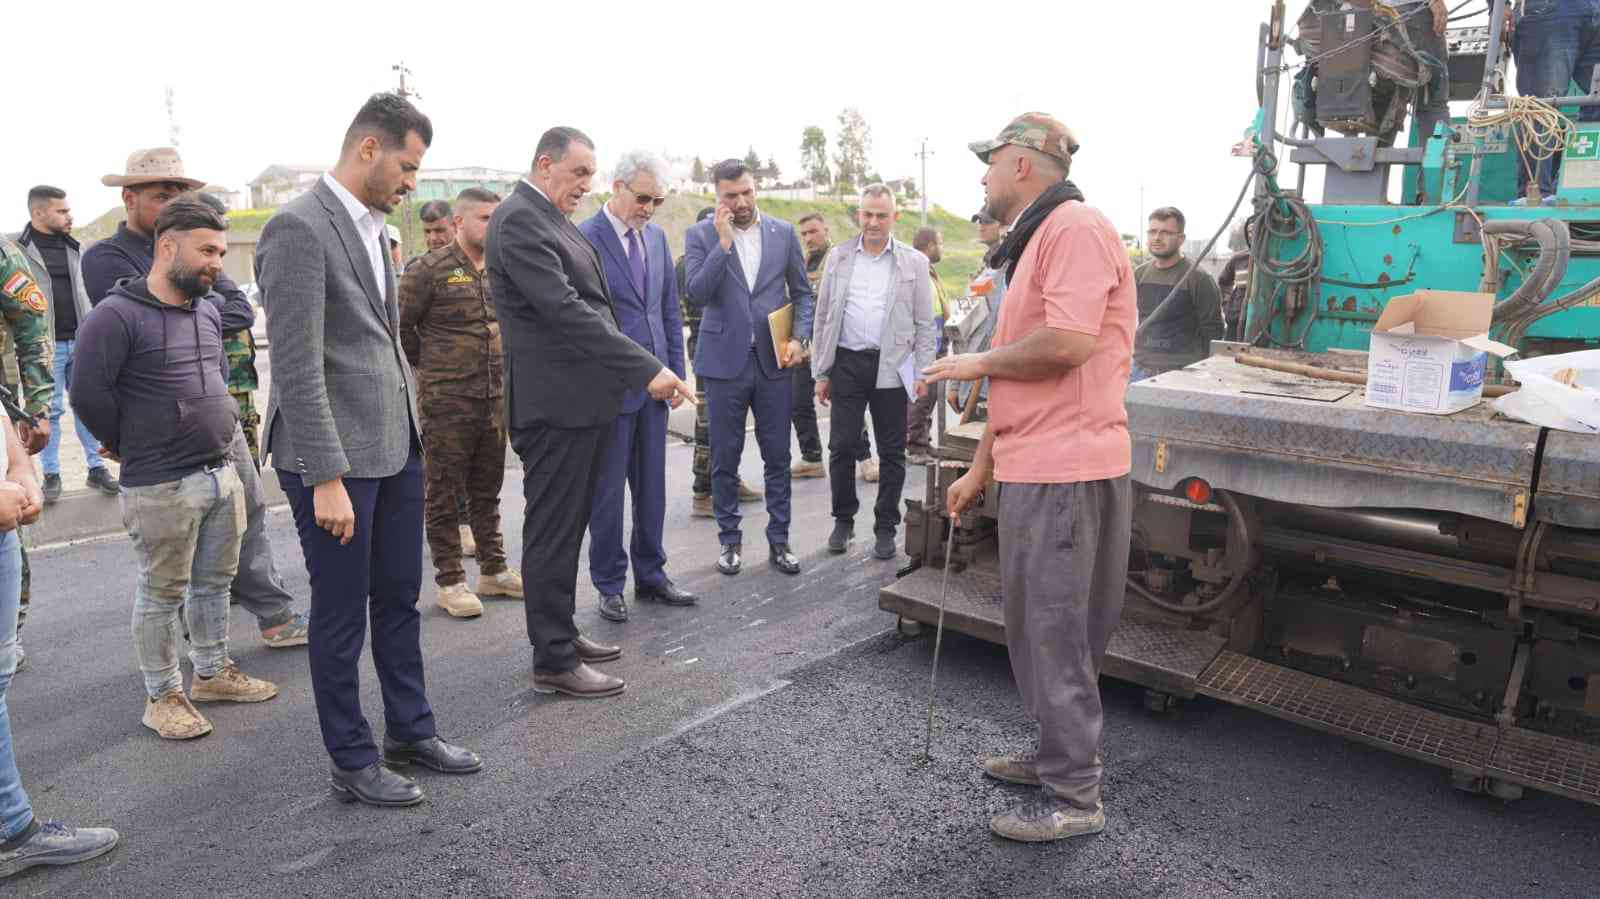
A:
(1036, 131)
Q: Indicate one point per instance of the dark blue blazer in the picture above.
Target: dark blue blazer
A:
(653, 320)
(733, 313)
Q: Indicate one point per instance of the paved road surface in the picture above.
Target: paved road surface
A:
(766, 746)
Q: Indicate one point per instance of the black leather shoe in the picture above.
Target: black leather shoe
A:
(666, 594)
(839, 540)
(432, 753)
(883, 547)
(591, 652)
(783, 560)
(374, 785)
(613, 607)
(731, 560)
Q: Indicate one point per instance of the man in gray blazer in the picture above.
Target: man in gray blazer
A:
(341, 430)
(873, 335)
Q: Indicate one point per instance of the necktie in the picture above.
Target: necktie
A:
(636, 262)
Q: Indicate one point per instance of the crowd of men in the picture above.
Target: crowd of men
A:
(398, 387)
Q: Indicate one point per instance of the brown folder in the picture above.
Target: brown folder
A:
(781, 324)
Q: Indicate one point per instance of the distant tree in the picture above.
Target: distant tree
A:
(814, 156)
(772, 170)
(911, 189)
(753, 162)
(698, 175)
(853, 146)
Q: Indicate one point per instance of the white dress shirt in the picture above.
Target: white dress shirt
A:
(622, 229)
(539, 190)
(866, 299)
(748, 243)
(369, 224)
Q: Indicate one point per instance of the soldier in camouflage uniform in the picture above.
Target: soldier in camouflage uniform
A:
(26, 351)
(452, 339)
(240, 345)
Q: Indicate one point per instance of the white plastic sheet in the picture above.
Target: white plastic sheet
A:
(1549, 403)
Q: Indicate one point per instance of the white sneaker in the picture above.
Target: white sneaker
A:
(459, 601)
(507, 584)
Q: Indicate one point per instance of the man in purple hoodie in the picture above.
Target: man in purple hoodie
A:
(152, 386)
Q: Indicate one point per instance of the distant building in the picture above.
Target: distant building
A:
(233, 199)
(278, 184)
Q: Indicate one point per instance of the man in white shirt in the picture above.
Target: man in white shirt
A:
(874, 333)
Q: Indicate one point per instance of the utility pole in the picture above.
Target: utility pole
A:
(1138, 232)
(924, 183)
(400, 69)
(407, 223)
(172, 117)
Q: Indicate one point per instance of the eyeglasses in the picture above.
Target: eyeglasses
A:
(647, 200)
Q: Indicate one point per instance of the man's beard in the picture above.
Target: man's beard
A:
(192, 283)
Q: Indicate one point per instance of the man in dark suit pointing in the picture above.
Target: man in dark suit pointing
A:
(567, 370)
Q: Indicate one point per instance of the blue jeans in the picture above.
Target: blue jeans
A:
(1556, 42)
(50, 456)
(15, 812)
(186, 534)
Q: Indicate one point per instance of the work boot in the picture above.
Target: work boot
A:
(100, 479)
(1048, 817)
(53, 843)
(919, 455)
(702, 506)
(459, 601)
(883, 546)
(869, 471)
(173, 717)
(747, 493)
(469, 546)
(231, 685)
(507, 584)
(1017, 769)
(52, 488)
(805, 468)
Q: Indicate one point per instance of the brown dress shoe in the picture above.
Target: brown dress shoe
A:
(590, 651)
(583, 682)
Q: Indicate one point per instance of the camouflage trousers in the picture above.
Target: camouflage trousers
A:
(464, 456)
(702, 441)
(249, 422)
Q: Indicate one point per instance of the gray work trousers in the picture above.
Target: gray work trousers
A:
(257, 586)
(1063, 572)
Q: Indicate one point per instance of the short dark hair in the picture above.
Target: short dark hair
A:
(477, 195)
(217, 206)
(812, 217)
(729, 170)
(434, 210)
(389, 117)
(188, 212)
(43, 194)
(557, 141)
(1170, 213)
(925, 237)
(705, 213)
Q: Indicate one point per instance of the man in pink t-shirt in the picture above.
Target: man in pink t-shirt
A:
(1058, 446)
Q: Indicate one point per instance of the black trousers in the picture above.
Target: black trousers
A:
(805, 419)
(559, 470)
(853, 378)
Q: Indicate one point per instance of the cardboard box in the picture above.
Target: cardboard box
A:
(1430, 350)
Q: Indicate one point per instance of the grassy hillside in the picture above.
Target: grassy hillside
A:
(962, 252)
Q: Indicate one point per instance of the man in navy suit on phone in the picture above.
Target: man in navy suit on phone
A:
(742, 266)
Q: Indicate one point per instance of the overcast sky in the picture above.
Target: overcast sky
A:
(1156, 90)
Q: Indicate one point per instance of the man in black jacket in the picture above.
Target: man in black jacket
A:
(567, 368)
(152, 386)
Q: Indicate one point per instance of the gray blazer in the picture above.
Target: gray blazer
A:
(41, 274)
(343, 395)
(907, 327)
